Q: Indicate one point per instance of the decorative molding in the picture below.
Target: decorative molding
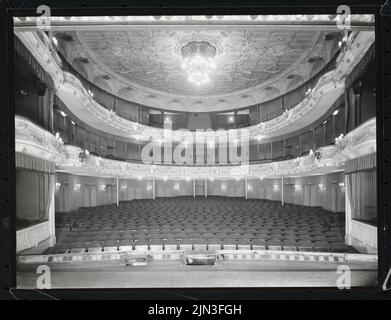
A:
(39, 143)
(292, 20)
(327, 89)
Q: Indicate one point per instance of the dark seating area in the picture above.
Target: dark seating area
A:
(199, 224)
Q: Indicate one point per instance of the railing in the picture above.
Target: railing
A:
(359, 142)
(87, 84)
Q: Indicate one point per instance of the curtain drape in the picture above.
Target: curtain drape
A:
(361, 67)
(34, 188)
(361, 188)
(33, 195)
(24, 161)
(23, 52)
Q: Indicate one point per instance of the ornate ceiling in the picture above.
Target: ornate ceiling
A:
(145, 65)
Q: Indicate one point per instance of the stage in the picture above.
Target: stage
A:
(175, 274)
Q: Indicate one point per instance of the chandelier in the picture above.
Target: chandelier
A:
(198, 61)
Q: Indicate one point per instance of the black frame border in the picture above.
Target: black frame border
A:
(181, 7)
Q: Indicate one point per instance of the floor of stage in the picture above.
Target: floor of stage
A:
(174, 274)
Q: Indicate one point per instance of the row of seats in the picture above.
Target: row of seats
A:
(203, 224)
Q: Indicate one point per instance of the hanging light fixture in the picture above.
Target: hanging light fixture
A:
(198, 61)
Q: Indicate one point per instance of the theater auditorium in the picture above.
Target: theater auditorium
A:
(195, 151)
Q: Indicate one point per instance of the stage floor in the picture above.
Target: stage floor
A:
(174, 274)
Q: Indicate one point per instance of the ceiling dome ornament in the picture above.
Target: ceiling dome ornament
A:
(198, 61)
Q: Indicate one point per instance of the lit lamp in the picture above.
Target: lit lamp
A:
(334, 114)
(198, 61)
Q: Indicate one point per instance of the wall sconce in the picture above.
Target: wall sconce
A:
(124, 187)
(249, 187)
(149, 188)
(237, 178)
(165, 178)
(342, 184)
(297, 187)
(261, 178)
(276, 187)
(102, 187)
(140, 178)
(321, 186)
(63, 113)
(187, 179)
(223, 187)
(58, 185)
(176, 186)
(211, 179)
(77, 186)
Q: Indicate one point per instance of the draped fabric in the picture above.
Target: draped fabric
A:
(25, 161)
(33, 196)
(34, 189)
(363, 163)
(361, 188)
(361, 67)
(29, 58)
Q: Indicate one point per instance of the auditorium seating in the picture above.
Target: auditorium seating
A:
(199, 224)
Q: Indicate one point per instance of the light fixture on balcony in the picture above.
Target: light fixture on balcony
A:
(343, 43)
(335, 112)
(83, 155)
(198, 61)
(63, 113)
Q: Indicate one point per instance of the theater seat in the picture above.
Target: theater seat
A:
(170, 245)
(199, 224)
(125, 245)
(243, 244)
(258, 244)
(214, 244)
(229, 244)
(289, 245)
(141, 245)
(110, 246)
(274, 245)
(305, 246)
(156, 245)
